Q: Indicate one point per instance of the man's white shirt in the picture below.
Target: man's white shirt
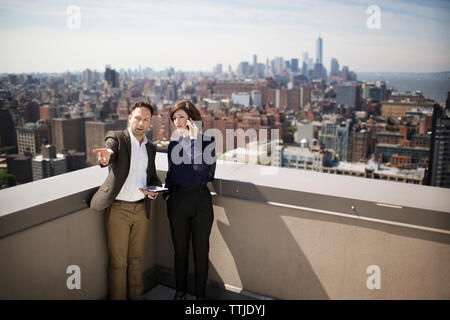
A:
(137, 176)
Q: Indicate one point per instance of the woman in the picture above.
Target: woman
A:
(192, 165)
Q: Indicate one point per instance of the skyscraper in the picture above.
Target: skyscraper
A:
(342, 134)
(319, 72)
(256, 98)
(243, 68)
(88, 79)
(48, 164)
(20, 167)
(334, 70)
(75, 160)
(358, 147)
(439, 163)
(69, 133)
(218, 69)
(96, 132)
(305, 96)
(328, 134)
(278, 64)
(30, 136)
(319, 50)
(348, 95)
(111, 77)
(294, 65)
(7, 132)
(304, 69)
(255, 67)
(308, 61)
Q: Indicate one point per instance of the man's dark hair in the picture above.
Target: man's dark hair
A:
(143, 104)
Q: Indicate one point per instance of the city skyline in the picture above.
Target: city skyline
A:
(199, 35)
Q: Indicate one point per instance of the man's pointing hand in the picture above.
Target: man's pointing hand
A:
(103, 155)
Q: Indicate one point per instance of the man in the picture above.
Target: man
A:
(130, 158)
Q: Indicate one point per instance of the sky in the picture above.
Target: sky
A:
(47, 36)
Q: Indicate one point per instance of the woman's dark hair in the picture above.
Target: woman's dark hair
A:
(143, 104)
(188, 107)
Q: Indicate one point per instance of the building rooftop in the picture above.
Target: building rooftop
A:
(59, 156)
(350, 166)
(277, 233)
(400, 146)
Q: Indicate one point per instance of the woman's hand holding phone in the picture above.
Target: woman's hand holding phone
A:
(192, 127)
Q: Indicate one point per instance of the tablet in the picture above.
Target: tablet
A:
(155, 189)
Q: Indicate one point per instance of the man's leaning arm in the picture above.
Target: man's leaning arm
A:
(111, 142)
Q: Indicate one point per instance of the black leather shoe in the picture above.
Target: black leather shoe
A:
(179, 296)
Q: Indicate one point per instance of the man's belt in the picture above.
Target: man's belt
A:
(130, 202)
